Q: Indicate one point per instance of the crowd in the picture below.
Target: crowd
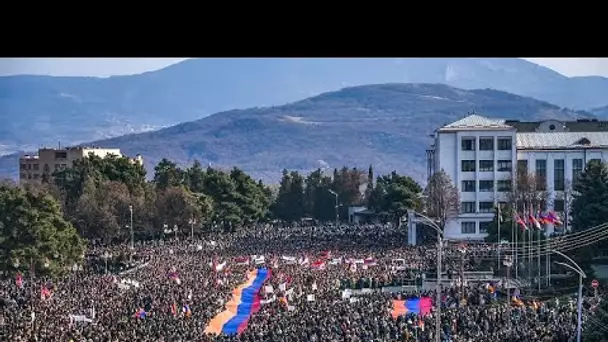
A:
(170, 290)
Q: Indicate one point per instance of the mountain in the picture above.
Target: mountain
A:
(43, 110)
(601, 112)
(387, 125)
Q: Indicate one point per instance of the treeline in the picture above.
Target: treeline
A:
(103, 199)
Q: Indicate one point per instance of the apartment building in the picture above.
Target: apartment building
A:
(49, 160)
(482, 155)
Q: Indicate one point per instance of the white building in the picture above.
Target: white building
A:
(481, 156)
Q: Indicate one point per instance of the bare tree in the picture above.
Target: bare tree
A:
(443, 199)
(527, 192)
(567, 196)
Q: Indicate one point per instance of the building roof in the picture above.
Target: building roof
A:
(476, 122)
(561, 140)
(581, 125)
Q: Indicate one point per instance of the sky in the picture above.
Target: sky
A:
(104, 67)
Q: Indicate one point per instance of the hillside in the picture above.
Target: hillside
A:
(77, 109)
(601, 112)
(385, 125)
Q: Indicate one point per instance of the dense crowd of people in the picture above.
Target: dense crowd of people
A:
(170, 290)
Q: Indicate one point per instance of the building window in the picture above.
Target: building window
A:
(486, 165)
(468, 166)
(504, 165)
(486, 207)
(558, 205)
(61, 155)
(467, 227)
(522, 167)
(577, 169)
(486, 144)
(467, 207)
(503, 185)
(36, 167)
(22, 176)
(468, 186)
(559, 181)
(541, 174)
(23, 166)
(486, 186)
(47, 169)
(505, 144)
(468, 144)
(484, 227)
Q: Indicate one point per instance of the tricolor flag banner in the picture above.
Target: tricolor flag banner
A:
(186, 310)
(244, 303)
(140, 313)
(420, 306)
(521, 222)
(318, 265)
(241, 261)
(534, 221)
(554, 218)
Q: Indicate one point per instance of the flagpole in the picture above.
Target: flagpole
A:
(538, 257)
(515, 251)
(498, 219)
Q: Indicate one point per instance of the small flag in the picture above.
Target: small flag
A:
(174, 309)
(521, 222)
(140, 313)
(19, 280)
(186, 310)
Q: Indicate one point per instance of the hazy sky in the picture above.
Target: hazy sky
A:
(104, 67)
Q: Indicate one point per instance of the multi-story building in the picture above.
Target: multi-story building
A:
(49, 160)
(482, 156)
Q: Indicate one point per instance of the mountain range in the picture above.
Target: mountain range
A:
(387, 125)
(44, 110)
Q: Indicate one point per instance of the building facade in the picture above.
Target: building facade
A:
(49, 160)
(483, 155)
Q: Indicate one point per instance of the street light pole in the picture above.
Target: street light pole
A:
(581, 275)
(131, 227)
(431, 223)
(337, 207)
(508, 262)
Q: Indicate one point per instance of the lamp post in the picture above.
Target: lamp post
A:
(463, 250)
(581, 275)
(508, 262)
(106, 256)
(175, 231)
(192, 222)
(131, 227)
(431, 223)
(337, 207)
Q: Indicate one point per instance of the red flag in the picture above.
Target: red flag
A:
(521, 222)
(19, 280)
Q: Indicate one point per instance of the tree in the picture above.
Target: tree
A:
(290, 203)
(590, 198)
(34, 234)
(195, 178)
(251, 196)
(167, 174)
(395, 194)
(320, 203)
(221, 188)
(177, 206)
(443, 200)
(506, 225)
(347, 183)
(528, 193)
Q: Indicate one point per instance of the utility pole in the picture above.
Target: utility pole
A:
(337, 207)
(131, 228)
(508, 263)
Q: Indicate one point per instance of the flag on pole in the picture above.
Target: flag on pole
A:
(521, 222)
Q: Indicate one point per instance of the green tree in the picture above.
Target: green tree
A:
(347, 183)
(290, 202)
(34, 234)
(320, 203)
(395, 194)
(590, 202)
(251, 196)
(223, 191)
(443, 200)
(590, 207)
(167, 174)
(177, 206)
(195, 178)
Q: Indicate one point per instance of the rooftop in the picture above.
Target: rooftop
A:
(473, 122)
(561, 140)
(581, 125)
